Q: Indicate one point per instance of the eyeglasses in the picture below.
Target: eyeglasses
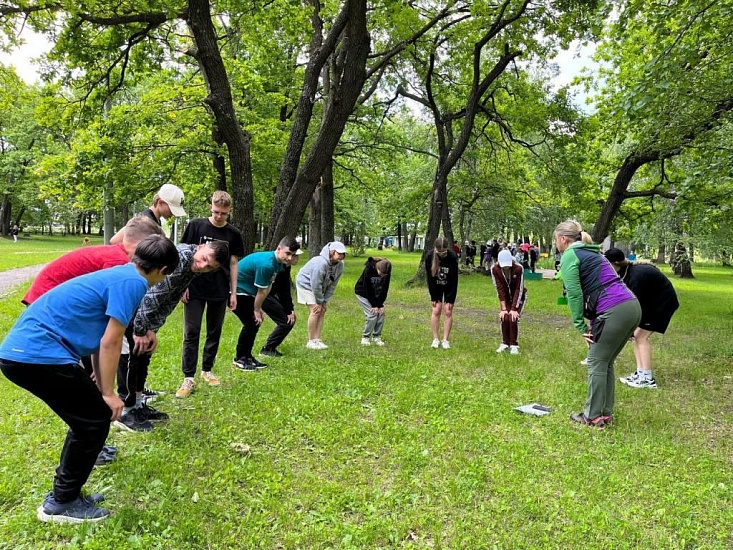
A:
(219, 214)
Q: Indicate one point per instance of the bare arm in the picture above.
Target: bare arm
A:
(109, 357)
(233, 273)
(259, 300)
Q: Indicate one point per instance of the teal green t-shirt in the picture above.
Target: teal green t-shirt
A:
(258, 270)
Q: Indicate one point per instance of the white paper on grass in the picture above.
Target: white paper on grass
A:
(534, 409)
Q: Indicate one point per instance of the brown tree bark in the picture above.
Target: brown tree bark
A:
(314, 224)
(219, 101)
(297, 182)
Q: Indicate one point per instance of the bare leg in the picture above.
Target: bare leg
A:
(643, 349)
(319, 323)
(314, 324)
(448, 322)
(435, 319)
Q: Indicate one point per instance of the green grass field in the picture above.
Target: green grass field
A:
(405, 446)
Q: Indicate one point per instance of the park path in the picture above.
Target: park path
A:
(13, 277)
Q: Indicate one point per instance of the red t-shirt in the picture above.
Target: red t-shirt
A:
(75, 263)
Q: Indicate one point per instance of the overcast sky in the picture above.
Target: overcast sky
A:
(571, 62)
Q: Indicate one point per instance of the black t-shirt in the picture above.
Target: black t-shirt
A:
(214, 285)
(149, 213)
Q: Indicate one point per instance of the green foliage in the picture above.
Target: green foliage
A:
(406, 446)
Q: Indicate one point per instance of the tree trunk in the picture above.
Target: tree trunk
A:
(437, 207)
(297, 182)
(314, 224)
(327, 214)
(219, 100)
(5, 214)
(221, 172)
(680, 262)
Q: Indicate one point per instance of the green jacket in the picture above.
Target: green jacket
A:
(570, 273)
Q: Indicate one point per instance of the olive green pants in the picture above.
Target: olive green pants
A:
(611, 330)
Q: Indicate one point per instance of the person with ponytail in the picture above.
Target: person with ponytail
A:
(441, 268)
(595, 292)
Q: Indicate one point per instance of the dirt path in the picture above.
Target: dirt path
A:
(13, 277)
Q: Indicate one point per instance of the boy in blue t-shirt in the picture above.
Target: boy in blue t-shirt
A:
(84, 316)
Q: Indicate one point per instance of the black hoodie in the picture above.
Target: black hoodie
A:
(371, 286)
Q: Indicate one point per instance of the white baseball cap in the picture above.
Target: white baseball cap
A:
(173, 197)
(337, 246)
(505, 258)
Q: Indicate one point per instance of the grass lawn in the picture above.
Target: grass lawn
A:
(405, 446)
(38, 249)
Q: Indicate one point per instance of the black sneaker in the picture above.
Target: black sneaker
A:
(110, 450)
(258, 364)
(150, 395)
(270, 352)
(246, 366)
(103, 459)
(133, 421)
(96, 498)
(77, 511)
(153, 415)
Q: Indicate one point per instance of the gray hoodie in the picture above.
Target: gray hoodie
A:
(319, 276)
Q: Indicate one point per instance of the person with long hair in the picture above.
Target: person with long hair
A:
(658, 303)
(441, 268)
(595, 292)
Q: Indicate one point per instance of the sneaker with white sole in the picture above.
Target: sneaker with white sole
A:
(365, 342)
(633, 377)
(502, 348)
(134, 421)
(77, 511)
(377, 341)
(210, 378)
(445, 344)
(244, 365)
(151, 395)
(584, 362)
(435, 344)
(643, 382)
(186, 388)
(316, 344)
(514, 350)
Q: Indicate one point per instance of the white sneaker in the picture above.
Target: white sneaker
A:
(584, 362)
(502, 348)
(514, 350)
(630, 379)
(643, 382)
(377, 341)
(435, 344)
(365, 342)
(321, 345)
(312, 344)
(445, 344)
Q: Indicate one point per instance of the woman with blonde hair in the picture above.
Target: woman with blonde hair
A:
(595, 292)
(441, 267)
